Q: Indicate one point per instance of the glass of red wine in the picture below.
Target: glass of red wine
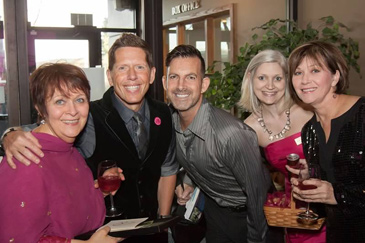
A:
(109, 181)
(313, 171)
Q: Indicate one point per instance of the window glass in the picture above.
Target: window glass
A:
(172, 38)
(3, 85)
(195, 36)
(222, 38)
(68, 13)
(70, 51)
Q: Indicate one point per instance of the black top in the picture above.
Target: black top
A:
(342, 161)
(327, 149)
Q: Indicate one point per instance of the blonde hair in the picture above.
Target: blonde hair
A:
(249, 100)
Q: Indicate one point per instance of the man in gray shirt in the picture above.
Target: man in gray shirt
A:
(219, 152)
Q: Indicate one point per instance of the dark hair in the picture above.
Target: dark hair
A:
(129, 40)
(186, 51)
(56, 76)
(323, 53)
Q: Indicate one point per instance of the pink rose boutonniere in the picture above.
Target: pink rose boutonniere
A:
(157, 121)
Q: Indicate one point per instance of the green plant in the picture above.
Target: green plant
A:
(225, 87)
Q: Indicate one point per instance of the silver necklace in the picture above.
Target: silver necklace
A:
(282, 132)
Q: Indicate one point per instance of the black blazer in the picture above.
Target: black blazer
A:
(137, 196)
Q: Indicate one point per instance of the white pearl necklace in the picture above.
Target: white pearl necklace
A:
(280, 134)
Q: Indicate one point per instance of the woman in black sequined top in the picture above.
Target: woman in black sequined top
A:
(334, 138)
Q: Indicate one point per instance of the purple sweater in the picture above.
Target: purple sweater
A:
(56, 197)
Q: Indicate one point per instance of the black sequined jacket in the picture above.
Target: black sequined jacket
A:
(345, 221)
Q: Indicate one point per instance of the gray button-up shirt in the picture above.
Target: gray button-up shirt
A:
(221, 155)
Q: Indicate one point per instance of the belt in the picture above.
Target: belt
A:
(237, 209)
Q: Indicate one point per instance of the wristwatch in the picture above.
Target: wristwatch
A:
(7, 131)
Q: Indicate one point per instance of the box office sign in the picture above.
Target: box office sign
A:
(185, 7)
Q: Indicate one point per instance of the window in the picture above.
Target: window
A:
(212, 34)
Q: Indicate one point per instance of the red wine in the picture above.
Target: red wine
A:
(109, 183)
(306, 187)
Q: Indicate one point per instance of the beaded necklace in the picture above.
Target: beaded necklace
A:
(282, 132)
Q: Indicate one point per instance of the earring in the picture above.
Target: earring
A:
(334, 96)
(43, 122)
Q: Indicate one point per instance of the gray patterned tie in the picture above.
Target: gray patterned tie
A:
(142, 137)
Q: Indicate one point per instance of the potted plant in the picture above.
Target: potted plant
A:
(225, 87)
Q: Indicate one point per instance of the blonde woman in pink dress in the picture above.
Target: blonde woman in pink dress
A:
(277, 120)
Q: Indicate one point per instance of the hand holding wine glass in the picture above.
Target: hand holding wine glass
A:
(109, 181)
(307, 173)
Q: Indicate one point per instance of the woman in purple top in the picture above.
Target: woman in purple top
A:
(55, 200)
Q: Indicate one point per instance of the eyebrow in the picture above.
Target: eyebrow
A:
(194, 74)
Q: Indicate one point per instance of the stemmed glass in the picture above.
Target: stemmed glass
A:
(308, 217)
(109, 181)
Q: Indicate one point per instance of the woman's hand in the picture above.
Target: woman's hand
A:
(301, 165)
(322, 194)
(101, 236)
(122, 178)
(183, 194)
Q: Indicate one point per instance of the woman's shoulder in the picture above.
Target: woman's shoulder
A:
(301, 113)
(301, 110)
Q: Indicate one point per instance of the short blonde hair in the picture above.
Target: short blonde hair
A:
(249, 100)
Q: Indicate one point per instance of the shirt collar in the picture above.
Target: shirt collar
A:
(199, 124)
(125, 113)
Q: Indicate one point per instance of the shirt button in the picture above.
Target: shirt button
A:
(141, 196)
(139, 182)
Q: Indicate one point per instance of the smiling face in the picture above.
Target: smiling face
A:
(313, 82)
(269, 83)
(131, 76)
(185, 85)
(66, 115)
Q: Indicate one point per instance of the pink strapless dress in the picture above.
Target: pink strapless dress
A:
(276, 155)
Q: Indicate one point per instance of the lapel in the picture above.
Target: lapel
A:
(116, 124)
(154, 129)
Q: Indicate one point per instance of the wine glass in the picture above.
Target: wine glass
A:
(313, 171)
(109, 181)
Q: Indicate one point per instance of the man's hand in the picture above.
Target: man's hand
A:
(183, 194)
(23, 146)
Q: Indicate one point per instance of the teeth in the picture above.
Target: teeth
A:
(71, 122)
(308, 90)
(182, 95)
(269, 93)
(132, 88)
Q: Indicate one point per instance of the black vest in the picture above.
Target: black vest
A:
(137, 195)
